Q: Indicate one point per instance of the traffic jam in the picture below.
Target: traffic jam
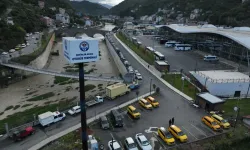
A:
(129, 128)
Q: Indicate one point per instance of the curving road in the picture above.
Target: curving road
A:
(169, 99)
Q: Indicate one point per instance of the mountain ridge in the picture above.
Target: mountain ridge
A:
(89, 7)
(224, 12)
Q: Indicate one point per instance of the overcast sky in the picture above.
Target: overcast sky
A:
(109, 2)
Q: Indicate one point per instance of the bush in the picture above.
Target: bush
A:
(8, 108)
(42, 97)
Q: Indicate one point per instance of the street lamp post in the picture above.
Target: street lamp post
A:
(83, 108)
(78, 51)
(183, 79)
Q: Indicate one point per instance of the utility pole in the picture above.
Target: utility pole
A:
(150, 85)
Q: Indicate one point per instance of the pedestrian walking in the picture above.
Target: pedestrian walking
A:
(169, 122)
(148, 66)
(172, 121)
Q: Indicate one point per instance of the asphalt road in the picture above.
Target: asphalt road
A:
(186, 60)
(30, 48)
(169, 99)
(185, 118)
(172, 105)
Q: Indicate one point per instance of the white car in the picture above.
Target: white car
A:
(114, 146)
(138, 76)
(32, 37)
(142, 142)
(130, 144)
(75, 110)
(28, 44)
(136, 71)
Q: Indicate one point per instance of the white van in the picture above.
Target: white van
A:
(210, 58)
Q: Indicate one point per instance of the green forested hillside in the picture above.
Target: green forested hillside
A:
(231, 12)
(26, 16)
(89, 8)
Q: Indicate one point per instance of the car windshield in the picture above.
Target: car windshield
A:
(145, 143)
(214, 123)
(181, 133)
(135, 111)
(224, 121)
(132, 145)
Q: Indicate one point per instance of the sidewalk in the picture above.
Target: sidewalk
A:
(152, 69)
(58, 135)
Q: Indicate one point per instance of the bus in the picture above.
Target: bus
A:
(159, 56)
(210, 58)
(150, 49)
(171, 43)
(183, 47)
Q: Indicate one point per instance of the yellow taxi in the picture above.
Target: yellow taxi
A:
(152, 101)
(145, 104)
(133, 112)
(222, 122)
(166, 136)
(177, 133)
(211, 123)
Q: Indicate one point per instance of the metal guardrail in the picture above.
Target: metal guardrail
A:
(99, 77)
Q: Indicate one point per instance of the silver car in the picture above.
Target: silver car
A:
(104, 122)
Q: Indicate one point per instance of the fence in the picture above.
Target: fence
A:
(10, 128)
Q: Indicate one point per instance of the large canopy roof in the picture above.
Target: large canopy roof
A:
(240, 35)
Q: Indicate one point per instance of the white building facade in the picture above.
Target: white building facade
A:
(224, 83)
(63, 18)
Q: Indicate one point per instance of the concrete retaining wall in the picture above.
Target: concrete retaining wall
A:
(41, 61)
(122, 69)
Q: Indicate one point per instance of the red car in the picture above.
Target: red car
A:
(19, 135)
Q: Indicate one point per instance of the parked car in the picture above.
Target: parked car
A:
(166, 136)
(130, 144)
(145, 104)
(152, 101)
(138, 76)
(177, 133)
(48, 118)
(211, 123)
(142, 142)
(104, 122)
(133, 112)
(114, 145)
(20, 134)
(75, 110)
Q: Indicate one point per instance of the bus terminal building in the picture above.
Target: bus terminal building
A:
(224, 83)
(232, 44)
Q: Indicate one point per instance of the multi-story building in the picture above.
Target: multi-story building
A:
(47, 20)
(63, 18)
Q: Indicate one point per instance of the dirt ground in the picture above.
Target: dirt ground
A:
(17, 93)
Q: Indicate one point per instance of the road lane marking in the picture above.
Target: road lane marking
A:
(199, 130)
(112, 135)
(159, 140)
(190, 133)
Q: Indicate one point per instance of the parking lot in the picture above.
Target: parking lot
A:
(186, 60)
(150, 120)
